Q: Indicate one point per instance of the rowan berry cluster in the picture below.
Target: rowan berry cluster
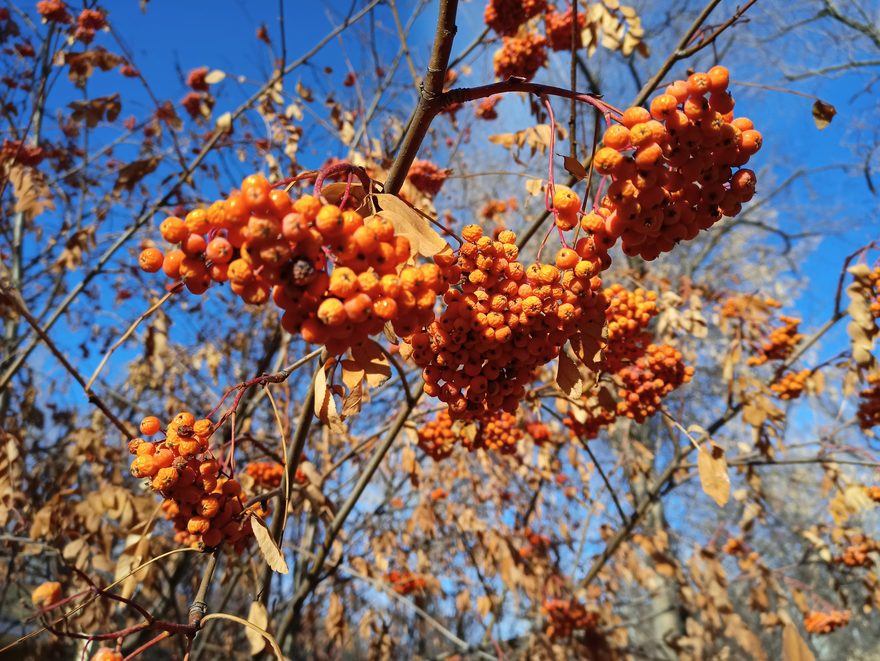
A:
(653, 376)
(821, 623)
(406, 582)
(590, 417)
(627, 314)
(501, 322)
(266, 474)
(781, 342)
(205, 506)
(537, 545)
(565, 616)
(505, 16)
(539, 432)
(869, 403)
(500, 433)
(790, 385)
(672, 167)
(748, 307)
(271, 247)
(46, 594)
(437, 437)
(520, 57)
(54, 11)
(857, 553)
(559, 28)
(426, 177)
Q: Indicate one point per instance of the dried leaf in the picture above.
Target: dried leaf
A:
(258, 616)
(568, 376)
(213, 78)
(411, 224)
(95, 110)
(224, 121)
(129, 175)
(713, 474)
(575, 167)
(271, 553)
(372, 360)
(823, 113)
(793, 646)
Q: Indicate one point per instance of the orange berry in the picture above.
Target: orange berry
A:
(663, 106)
(329, 221)
(719, 78)
(173, 229)
(240, 271)
(150, 260)
(358, 307)
(566, 258)
(219, 250)
(256, 190)
(698, 83)
(143, 466)
(332, 312)
(607, 159)
(184, 418)
(634, 115)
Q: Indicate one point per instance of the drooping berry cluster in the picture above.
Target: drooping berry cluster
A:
(338, 276)
(790, 385)
(205, 506)
(500, 433)
(505, 16)
(628, 314)
(266, 474)
(559, 28)
(437, 437)
(427, 177)
(501, 322)
(653, 376)
(819, 622)
(857, 554)
(565, 616)
(406, 582)
(780, 343)
(673, 167)
(869, 403)
(539, 432)
(520, 57)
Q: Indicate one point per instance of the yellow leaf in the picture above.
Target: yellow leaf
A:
(713, 474)
(258, 616)
(372, 360)
(793, 646)
(410, 223)
(215, 77)
(224, 121)
(271, 553)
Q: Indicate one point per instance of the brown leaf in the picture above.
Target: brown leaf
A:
(271, 553)
(129, 175)
(713, 474)
(411, 224)
(568, 376)
(372, 360)
(96, 110)
(823, 113)
(575, 167)
(793, 646)
(258, 616)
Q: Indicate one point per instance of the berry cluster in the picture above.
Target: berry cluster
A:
(559, 28)
(873, 493)
(781, 342)
(500, 433)
(653, 376)
(426, 177)
(269, 246)
(790, 385)
(505, 16)
(266, 474)
(501, 322)
(822, 623)
(566, 616)
(857, 553)
(537, 545)
(205, 506)
(437, 438)
(539, 432)
(672, 167)
(520, 57)
(627, 314)
(869, 403)
(406, 582)
(589, 418)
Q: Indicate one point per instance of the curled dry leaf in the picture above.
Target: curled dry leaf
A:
(713, 474)
(793, 646)
(823, 113)
(272, 554)
(568, 376)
